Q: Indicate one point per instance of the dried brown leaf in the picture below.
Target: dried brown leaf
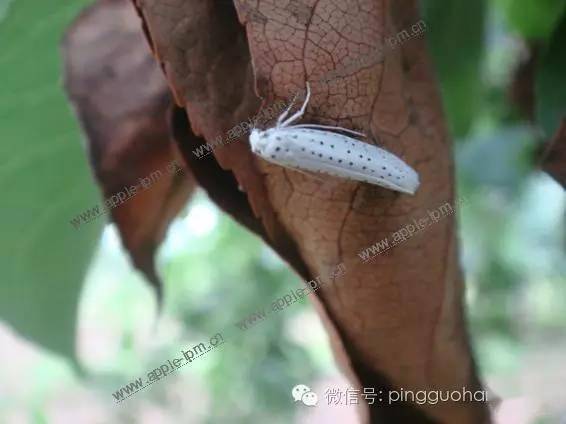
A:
(122, 98)
(398, 320)
(554, 157)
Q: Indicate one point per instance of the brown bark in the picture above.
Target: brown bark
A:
(397, 321)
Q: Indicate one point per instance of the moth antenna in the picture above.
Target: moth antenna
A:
(330, 128)
(301, 112)
(286, 112)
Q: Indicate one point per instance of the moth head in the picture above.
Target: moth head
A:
(259, 140)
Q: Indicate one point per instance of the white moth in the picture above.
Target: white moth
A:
(319, 148)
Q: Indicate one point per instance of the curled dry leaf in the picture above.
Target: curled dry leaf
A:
(211, 77)
(398, 318)
(122, 99)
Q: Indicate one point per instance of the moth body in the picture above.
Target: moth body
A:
(315, 148)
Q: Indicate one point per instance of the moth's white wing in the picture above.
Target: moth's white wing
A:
(339, 155)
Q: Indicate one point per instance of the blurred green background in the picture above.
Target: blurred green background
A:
(101, 330)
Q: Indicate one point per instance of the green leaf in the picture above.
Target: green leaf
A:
(550, 82)
(44, 179)
(4, 5)
(455, 34)
(532, 18)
